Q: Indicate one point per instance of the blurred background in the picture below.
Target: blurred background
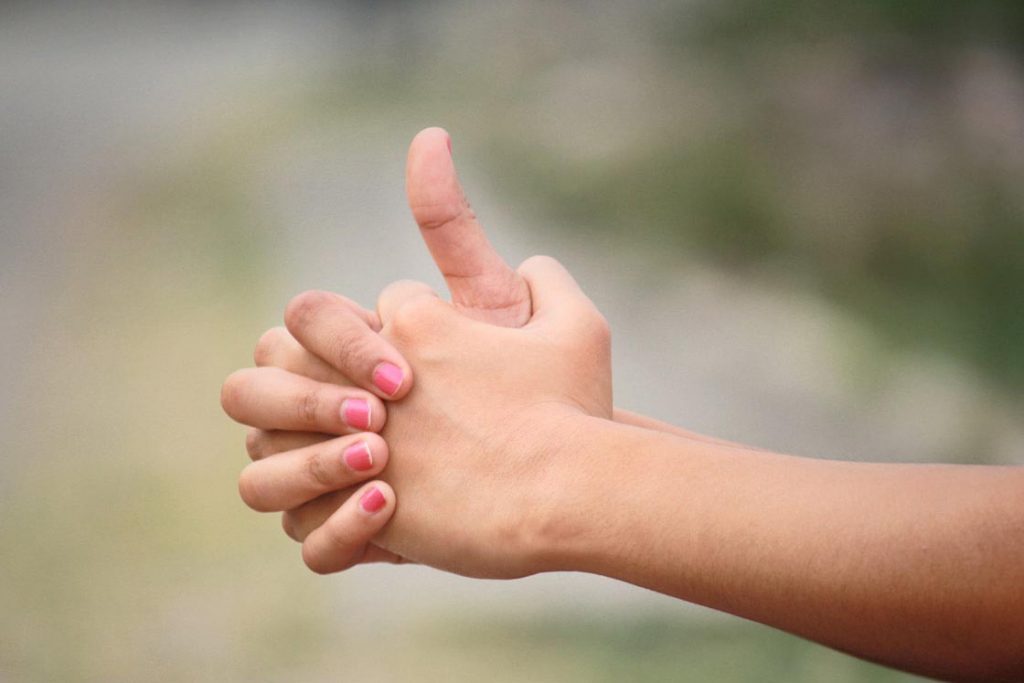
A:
(803, 219)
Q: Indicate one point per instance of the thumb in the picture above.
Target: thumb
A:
(482, 285)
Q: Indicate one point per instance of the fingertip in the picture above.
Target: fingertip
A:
(432, 135)
(290, 527)
(378, 414)
(378, 450)
(391, 380)
(253, 442)
(318, 561)
(433, 189)
(363, 412)
(303, 308)
(343, 539)
(429, 146)
(233, 392)
(251, 489)
(376, 501)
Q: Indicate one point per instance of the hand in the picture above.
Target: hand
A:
(346, 349)
(349, 350)
(476, 444)
(482, 286)
(296, 415)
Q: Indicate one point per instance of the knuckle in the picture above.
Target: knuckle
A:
(254, 443)
(439, 215)
(600, 330)
(590, 333)
(268, 346)
(413, 318)
(304, 308)
(352, 350)
(314, 560)
(234, 389)
(290, 526)
(319, 470)
(251, 490)
(308, 406)
(599, 344)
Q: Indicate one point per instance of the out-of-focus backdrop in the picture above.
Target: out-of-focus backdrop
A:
(804, 220)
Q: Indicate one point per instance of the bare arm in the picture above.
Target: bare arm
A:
(920, 567)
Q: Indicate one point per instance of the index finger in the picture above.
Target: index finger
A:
(346, 339)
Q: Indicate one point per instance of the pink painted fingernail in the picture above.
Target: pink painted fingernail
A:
(358, 456)
(388, 378)
(449, 145)
(356, 413)
(373, 500)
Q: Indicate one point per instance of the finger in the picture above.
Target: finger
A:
(271, 398)
(398, 294)
(558, 301)
(261, 443)
(296, 477)
(375, 553)
(326, 325)
(278, 348)
(551, 285)
(300, 522)
(343, 539)
(482, 285)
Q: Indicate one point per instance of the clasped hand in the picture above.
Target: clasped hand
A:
(478, 436)
(427, 431)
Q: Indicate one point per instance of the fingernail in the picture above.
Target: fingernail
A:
(449, 145)
(356, 413)
(373, 500)
(358, 457)
(388, 378)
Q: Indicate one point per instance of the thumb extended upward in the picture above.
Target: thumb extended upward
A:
(482, 285)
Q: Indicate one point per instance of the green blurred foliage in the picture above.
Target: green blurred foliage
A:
(913, 25)
(938, 257)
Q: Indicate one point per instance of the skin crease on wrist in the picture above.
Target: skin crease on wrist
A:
(918, 567)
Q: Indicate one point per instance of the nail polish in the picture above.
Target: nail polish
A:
(356, 413)
(388, 378)
(358, 457)
(373, 500)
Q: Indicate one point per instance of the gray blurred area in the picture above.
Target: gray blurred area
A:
(804, 225)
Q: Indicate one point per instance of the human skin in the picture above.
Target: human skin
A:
(509, 473)
(510, 469)
(344, 347)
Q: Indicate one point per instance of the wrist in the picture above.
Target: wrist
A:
(582, 521)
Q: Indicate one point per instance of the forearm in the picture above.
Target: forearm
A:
(918, 567)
